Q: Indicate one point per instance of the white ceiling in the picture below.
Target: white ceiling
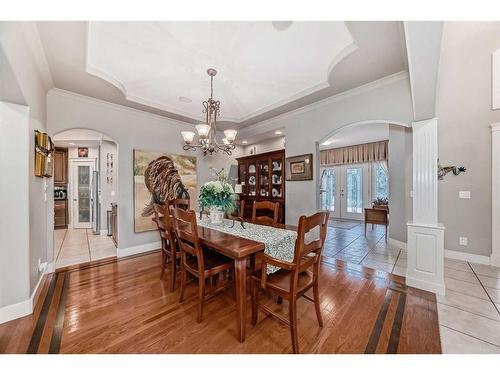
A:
(259, 66)
(357, 135)
(265, 68)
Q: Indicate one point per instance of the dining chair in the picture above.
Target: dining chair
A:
(241, 212)
(270, 207)
(376, 216)
(200, 263)
(179, 203)
(294, 278)
(169, 245)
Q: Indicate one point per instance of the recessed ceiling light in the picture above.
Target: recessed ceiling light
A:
(278, 132)
(281, 25)
(72, 144)
(244, 142)
(326, 143)
(185, 99)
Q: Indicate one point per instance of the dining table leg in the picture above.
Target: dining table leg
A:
(241, 294)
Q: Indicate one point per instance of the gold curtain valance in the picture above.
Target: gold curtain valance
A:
(355, 154)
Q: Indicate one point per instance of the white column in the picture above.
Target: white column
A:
(425, 269)
(495, 194)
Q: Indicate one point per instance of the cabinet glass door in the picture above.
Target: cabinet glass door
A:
(264, 183)
(277, 178)
(252, 179)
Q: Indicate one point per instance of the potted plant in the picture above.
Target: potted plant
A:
(218, 197)
(381, 203)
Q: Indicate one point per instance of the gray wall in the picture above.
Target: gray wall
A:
(266, 145)
(17, 51)
(464, 116)
(131, 129)
(400, 181)
(390, 103)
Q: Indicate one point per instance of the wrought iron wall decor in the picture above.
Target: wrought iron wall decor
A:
(443, 171)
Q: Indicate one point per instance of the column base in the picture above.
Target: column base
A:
(425, 268)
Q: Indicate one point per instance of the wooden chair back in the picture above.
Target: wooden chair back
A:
(186, 230)
(311, 235)
(179, 203)
(307, 252)
(271, 207)
(164, 220)
(376, 216)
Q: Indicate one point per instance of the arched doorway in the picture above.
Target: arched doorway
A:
(85, 194)
(425, 236)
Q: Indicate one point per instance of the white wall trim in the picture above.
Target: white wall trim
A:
(127, 251)
(450, 254)
(23, 308)
(468, 257)
(495, 193)
(390, 79)
(397, 243)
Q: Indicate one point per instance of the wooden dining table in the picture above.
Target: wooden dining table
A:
(242, 251)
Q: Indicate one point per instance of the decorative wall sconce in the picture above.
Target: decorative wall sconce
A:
(443, 171)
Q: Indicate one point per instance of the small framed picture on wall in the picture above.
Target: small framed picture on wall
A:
(299, 168)
(83, 152)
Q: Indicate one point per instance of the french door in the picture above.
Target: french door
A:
(345, 190)
(82, 193)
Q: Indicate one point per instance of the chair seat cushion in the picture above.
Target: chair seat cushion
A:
(211, 260)
(280, 280)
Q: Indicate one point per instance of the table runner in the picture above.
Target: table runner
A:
(279, 243)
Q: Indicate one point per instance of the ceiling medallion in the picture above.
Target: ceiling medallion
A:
(207, 132)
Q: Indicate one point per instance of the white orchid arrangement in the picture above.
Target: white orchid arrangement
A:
(218, 193)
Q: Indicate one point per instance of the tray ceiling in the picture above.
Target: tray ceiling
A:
(261, 65)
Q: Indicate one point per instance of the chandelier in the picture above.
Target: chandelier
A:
(207, 132)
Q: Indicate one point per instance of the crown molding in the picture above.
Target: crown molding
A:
(32, 36)
(385, 81)
(88, 99)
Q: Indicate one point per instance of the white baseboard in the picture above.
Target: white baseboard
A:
(450, 254)
(23, 308)
(397, 243)
(468, 257)
(127, 251)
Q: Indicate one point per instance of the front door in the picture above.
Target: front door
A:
(82, 193)
(345, 190)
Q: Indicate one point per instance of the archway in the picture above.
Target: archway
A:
(84, 196)
(425, 236)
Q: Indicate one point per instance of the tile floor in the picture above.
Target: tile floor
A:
(74, 246)
(469, 313)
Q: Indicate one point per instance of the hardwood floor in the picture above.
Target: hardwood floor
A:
(122, 307)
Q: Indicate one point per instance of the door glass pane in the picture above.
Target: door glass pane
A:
(328, 189)
(83, 194)
(354, 190)
(381, 182)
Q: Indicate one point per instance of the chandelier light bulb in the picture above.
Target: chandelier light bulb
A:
(230, 135)
(188, 136)
(203, 130)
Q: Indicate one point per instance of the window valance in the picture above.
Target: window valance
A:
(366, 152)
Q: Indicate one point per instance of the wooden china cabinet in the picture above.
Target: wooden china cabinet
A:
(263, 179)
